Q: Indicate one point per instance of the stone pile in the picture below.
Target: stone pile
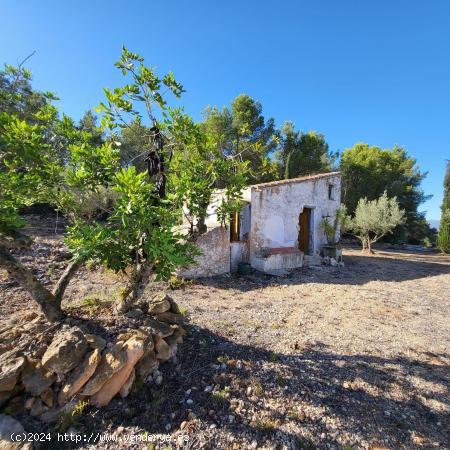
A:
(81, 366)
(327, 261)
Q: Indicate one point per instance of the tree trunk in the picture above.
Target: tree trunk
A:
(201, 226)
(62, 283)
(42, 296)
(364, 244)
(134, 288)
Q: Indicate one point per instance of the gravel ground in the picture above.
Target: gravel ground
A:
(326, 358)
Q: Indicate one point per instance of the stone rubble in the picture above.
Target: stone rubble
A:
(8, 426)
(78, 366)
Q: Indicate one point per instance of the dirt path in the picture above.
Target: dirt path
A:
(357, 356)
(387, 303)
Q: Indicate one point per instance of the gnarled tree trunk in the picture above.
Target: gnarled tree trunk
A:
(135, 287)
(49, 302)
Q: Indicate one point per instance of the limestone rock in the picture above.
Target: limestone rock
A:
(66, 351)
(157, 328)
(170, 317)
(4, 397)
(146, 337)
(8, 426)
(134, 348)
(36, 379)
(9, 373)
(173, 305)
(178, 334)
(162, 348)
(173, 344)
(134, 313)
(16, 405)
(146, 365)
(8, 356)
(38, 408)
(111, 362)
(79, 377)
(29, 403)
(159, 304)
(95, 341)
(126, 388)
(54, 414)
(173, 350)
(48, 397)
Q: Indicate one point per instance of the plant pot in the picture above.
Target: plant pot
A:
(244, 268)
(332, 251)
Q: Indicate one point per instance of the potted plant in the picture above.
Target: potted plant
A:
(333, 248)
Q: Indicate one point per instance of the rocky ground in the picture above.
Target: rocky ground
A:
(327, 358)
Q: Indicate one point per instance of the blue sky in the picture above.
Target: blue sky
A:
(370, 71)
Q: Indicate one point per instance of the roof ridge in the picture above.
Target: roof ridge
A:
(296, 180)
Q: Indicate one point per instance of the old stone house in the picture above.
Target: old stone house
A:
(279, 227)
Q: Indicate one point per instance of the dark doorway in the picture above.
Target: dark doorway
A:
(304, 232)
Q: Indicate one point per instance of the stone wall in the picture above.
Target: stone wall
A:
(78, 366)
(215, 257)
(278, 261)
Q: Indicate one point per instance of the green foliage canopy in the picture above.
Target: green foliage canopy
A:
(367, 171)
(340, 222)
(198, 168)
(303, 153)
(241, 131)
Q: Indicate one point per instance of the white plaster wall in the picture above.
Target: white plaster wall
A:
(211, 220)
(216, 200)
(244, 232)
(238, 253)
(275, 212)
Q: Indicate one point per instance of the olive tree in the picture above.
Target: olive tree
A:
(374, 219)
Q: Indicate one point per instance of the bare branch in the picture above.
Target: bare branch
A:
(19, 67)
(26, 59)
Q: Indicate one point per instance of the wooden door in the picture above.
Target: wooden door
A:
(304, 230)
(235, 226)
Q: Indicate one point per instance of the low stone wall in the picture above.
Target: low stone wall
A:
(81, 366)
(283, 258)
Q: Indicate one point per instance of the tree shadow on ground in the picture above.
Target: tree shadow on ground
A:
(313, 399)
(359, 269)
